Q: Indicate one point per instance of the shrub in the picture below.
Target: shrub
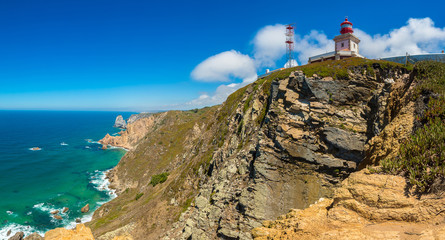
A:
(422, 157)
(159, 178)
(139, 195)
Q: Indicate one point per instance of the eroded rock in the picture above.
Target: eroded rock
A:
(85, 209)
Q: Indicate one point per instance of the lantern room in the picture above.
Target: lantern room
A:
(346, 27)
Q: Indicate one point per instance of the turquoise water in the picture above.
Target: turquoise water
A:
(68, 171)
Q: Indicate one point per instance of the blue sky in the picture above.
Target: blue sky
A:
(149, 55)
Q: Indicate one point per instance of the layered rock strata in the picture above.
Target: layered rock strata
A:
(314, 134)
(283, 142)
(367, 206)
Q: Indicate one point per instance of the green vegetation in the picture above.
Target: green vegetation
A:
(139, 195)
(422, 158)
(339, 69)
(159, 178)
(247, 103)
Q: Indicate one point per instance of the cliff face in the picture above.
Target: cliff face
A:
(367, 206)
(136, 129)
(283, 142)
(314, 133)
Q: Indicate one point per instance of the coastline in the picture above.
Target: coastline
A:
(99, 179)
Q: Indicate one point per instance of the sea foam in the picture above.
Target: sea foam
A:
(15, 228)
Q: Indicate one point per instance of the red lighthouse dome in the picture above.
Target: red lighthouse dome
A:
(346, 27)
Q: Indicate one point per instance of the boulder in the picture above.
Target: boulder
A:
(65, 209)
(58, 217)
(9, 233)
(120, 122)
(55, 212)
(85, 209)
(34, 236)
(17, 236)
(78, 220)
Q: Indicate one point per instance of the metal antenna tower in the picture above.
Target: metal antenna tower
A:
(290, 44)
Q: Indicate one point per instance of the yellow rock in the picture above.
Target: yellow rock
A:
(81, 232)
(367, 206)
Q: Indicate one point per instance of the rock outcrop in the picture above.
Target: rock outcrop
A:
(34, 236)
(120, 122)
(85, 208)
(81, 232)
(367, 206)
(17, 236)
(135, 131)
(138, 116)
(313, 135)
(283, 142)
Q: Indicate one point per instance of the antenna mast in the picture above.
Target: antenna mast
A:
(290, 44)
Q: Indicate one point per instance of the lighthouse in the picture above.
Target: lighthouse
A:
(346, 41)
(346, 45)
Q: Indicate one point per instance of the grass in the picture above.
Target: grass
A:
(339, 69)
(422, 157)
(159, 178)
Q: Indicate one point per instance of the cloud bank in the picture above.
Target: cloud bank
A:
(417, 36)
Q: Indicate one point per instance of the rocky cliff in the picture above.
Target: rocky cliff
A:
(136, 129)
(120, 122)
(281, 143)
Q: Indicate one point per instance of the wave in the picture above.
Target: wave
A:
(64, 144)
(91, 141)
(101, 183)
(15, 228)
(114, 147)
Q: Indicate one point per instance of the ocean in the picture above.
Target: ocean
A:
(67, 171)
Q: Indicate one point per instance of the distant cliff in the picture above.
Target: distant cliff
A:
(281, 143)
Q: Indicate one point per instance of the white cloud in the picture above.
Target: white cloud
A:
(418, 36)
(312, 44)
(224, 66)
(269, 45)
(220, 95)
(292, 63)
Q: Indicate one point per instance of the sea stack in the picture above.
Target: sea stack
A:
(120, 122)
(85, 209)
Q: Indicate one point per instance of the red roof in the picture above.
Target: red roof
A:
(346, 22)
